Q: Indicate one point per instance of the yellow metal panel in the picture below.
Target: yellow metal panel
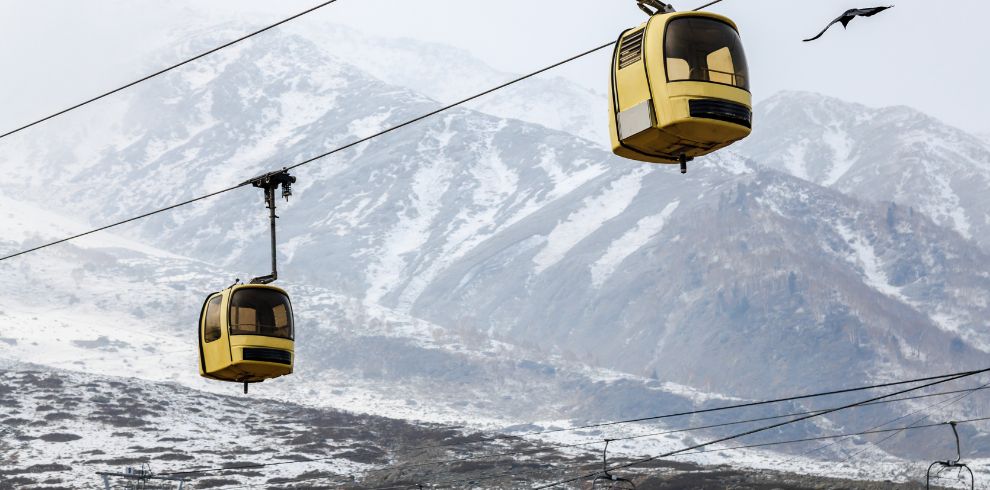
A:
(631, 80)
(216, 354)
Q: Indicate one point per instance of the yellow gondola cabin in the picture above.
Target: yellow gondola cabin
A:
(245, 334)
(680, 88)
(246, 331)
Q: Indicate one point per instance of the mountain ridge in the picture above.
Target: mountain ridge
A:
(470, 251)
(887, 154)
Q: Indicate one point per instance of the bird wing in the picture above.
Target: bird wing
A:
(848, 16)
(830, 24)
(870, 12)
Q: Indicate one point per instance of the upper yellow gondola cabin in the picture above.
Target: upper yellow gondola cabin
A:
(680, 88)
(245, 334)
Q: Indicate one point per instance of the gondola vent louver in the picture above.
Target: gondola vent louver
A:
(631, 49)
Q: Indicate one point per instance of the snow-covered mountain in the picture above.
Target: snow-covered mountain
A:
(504, 270)
(528, 233)
(888, 154)
(449, 74)
(111, 306)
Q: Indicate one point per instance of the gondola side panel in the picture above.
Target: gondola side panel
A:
(214, 347)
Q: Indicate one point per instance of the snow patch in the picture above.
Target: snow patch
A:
(842, 148)
(865, 256)
(594, 212)
(630, 242)
(794, 160)
(413, 229)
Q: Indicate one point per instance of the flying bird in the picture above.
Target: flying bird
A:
(848, 16)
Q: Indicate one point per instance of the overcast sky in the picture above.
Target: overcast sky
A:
(925, 54)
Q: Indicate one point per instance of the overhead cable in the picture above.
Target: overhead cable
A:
(707, 410)
(167, 69)
(317, 157)
(587, 443)
(964, 394)
(443, 483)
(918, 420)
(765, 428)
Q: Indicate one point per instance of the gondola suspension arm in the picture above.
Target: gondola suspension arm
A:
(269, 183)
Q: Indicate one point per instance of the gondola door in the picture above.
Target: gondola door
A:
(214, 341)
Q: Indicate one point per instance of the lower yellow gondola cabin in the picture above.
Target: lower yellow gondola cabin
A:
(246, 334)
(680, 88)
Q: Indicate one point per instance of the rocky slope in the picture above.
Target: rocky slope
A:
(58, 429)
(888, 154)
(532, 234)
(497, 266)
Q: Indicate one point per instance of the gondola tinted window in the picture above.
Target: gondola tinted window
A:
(211, 325)
(260, 312)
(706, 50)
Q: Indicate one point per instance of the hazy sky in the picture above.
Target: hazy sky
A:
(929, 55)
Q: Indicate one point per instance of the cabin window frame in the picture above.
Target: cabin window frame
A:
(206, 318)
(663, 49)
(291, 317)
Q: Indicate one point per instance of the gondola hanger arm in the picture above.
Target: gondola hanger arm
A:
(270, 182)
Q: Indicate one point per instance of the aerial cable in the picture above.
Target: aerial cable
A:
(168, 69)
(321, 156)
(706, 410)
(918, 420)
(614, 439)
(304, 162)
(641, 419)
(128, 220)
(768, 427)
(836, 436)
(965, 393)
(731, 448)
(709, 4)
(560, 446)
(455, 104)
(808, 414)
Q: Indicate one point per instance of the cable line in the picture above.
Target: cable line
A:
(965, 393)
(128, 220)
(822, 438)
(768, 427)
(708, 410)
(320, 156)
(586, 443)
(733, 448)
(709, 4)
(168, 69)
(918, 420)
(304, 162)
